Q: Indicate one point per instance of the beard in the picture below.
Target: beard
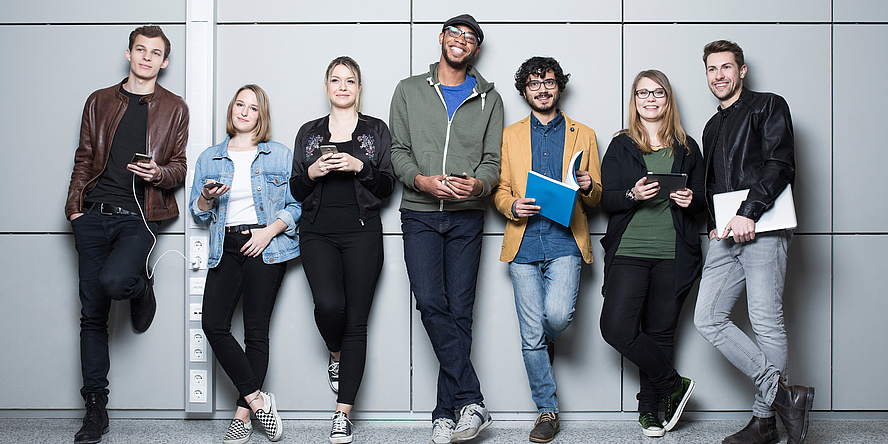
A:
(542, 108)
(456, 64)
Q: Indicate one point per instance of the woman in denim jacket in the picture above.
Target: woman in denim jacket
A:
(342, 171)
(241, 191)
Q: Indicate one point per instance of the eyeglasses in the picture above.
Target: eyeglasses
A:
(534, 85)
(456, 32)
(658, 93)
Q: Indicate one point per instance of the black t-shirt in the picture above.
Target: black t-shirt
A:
(115, 185)
(338, 208)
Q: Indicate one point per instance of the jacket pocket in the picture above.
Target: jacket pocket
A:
(275, 191)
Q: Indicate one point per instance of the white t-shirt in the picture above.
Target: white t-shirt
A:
(241, 210)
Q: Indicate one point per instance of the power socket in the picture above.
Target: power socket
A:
(198, 247)
(197, 345)
(197, 386)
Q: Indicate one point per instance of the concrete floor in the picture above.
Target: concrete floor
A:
(130, 431)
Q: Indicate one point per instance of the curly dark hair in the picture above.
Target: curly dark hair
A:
(539, 66)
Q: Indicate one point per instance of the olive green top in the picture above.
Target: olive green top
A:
(650, 233)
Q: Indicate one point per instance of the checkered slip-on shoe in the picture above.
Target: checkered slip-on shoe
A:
(238, 432)
(269, 417)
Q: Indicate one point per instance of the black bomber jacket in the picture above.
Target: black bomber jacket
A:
(756, 132)
(373, 183)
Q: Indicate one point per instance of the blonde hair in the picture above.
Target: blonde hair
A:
(670, 124)
(262, 132)
(355, 70)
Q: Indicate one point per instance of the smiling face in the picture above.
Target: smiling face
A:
(245, 112)
(456, 51)
(542, 100)
(725, 78)
(342, 87)
(650, 109)
(146, 57)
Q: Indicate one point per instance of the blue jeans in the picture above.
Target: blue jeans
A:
(112, 252)
(442, 251)
(759, 267)
(545, 297)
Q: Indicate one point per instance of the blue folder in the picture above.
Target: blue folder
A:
(555, 199)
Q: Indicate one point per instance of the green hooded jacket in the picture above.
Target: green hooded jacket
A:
(425, 142)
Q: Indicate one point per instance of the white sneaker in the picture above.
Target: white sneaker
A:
(473, 418)
(442, 431)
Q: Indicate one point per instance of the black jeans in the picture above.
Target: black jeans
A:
(237, 275)
(638, 319)
(342, 271)
(112, 253)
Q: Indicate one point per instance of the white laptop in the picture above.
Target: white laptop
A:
(781, 216)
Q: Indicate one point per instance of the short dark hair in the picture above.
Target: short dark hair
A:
(724, 46)
(150, 31)
(539, 66)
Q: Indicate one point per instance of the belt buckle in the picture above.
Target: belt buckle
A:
(103, 212)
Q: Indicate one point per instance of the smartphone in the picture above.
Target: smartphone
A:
(461, 176)
(212, 185)
(140, 158)
(328, 149)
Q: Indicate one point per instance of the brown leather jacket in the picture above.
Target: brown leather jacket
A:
(167, 141)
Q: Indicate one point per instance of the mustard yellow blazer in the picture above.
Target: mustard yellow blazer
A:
(516, 162)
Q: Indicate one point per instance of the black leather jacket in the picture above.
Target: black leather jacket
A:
(756, 133)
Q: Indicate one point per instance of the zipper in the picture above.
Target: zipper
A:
(105, 164)
(449, 125)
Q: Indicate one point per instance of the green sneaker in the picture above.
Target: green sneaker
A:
(675, 403)
(651, 425)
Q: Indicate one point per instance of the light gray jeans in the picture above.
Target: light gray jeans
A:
(759, 267)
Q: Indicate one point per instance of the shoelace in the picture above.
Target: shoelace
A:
(334, 368)
(465, 416)
(340, 424)
(648, 421)
(443, 427)
(545, 416)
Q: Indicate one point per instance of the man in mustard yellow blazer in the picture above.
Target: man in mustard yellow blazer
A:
(544, 257)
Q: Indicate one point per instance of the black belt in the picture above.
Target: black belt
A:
(240, 228)
(111, 210)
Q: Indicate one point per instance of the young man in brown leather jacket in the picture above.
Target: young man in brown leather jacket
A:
(116, 201)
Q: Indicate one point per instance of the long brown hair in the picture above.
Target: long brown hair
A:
(670, 125)
(262, 132)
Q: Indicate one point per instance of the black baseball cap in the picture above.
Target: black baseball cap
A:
(467, 20)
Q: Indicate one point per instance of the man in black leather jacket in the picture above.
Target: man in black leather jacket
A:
(748, 144)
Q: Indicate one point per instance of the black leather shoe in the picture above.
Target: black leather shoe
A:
(792, 404)
(143, 308)
(95, 422)
(758, 431)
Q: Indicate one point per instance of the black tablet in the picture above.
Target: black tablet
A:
(669, 182)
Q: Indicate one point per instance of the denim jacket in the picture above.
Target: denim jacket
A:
(270, 174)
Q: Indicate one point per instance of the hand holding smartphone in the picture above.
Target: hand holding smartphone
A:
(212, 185)
(140, 158)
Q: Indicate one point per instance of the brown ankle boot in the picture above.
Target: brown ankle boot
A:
(792, 404)
(758, 431)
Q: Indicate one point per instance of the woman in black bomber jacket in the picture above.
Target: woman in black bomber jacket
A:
(341, 173)
(652, 245)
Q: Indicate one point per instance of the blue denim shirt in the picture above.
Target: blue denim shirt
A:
(544, 239)
(269, 176)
